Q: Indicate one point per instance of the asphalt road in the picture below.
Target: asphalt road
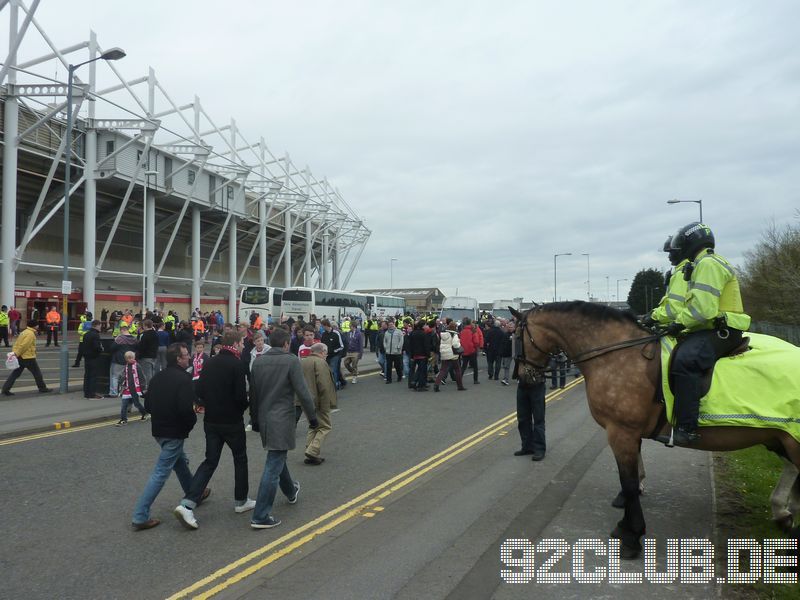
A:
(418, 492)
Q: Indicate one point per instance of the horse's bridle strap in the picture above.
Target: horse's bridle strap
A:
(600, 351)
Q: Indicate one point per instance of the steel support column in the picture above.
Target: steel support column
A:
(195, 257)
(309, 250)
(8, 229)
(323, 268)
(262, 243)
(232, 298)
(150, 247)
(287, 249)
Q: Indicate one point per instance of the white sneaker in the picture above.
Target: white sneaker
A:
(185, 516)
(249, 504)
(248, 427)
(354, 380)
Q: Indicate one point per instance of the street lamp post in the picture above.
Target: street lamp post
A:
(391, 272)
(112, 54)
(698, 202)
(555, 273)
(588, 278)
(618, 280)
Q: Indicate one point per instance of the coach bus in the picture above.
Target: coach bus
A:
(385, 306)
(302, 302)
(500, 308)
(266, 301)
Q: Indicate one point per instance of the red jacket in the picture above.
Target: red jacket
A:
(471, 339)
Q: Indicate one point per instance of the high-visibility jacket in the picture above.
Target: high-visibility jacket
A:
(169, 319)
(128, 319)
(198, 326)
(713, 293)
(673, 301)
(374, 325)
(53, 318)
(133, 328)
(346, 326)
(3, 319)
(258, 323)
(81, 330)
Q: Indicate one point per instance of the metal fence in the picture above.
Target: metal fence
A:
(790, 333)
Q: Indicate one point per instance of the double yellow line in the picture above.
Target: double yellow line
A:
(361, 505)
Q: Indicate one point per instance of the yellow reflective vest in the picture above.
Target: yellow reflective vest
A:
(673, 301)
(3, 319)
(713, 292)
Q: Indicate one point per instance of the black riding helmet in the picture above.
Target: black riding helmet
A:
(690, 239)
(674, 256)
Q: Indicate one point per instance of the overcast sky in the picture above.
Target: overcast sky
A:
(478, 139)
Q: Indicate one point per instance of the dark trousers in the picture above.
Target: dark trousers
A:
(493, 361)
(558, 375)
(453, 368)
(4, 334)
(52, 335)
(80, 354)
(471, 360)
(396, 361)
(33, 367)
(418, 373)
(90, 377)
(693, 358)
(530, 417)
(217, 435)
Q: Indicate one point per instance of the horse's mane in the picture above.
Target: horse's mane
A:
(590, 310)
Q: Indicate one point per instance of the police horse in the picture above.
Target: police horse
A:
(619, 359)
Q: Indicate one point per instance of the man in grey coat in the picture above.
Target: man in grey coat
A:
(276, 377)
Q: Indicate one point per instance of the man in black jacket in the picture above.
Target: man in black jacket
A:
(170, 402)
(91, 351)
(222, 390)
(148, 350)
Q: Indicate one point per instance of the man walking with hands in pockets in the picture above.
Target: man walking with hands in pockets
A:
(276, 378)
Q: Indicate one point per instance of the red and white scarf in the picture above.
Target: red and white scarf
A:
(233, 350)
(126, 386)
(197, 365)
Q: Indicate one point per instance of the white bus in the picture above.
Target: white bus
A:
(302, 302)
(500, 308)
(458, 307)
(385, 306)
(266, 301)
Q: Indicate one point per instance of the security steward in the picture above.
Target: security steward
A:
(710, 322)
(53, 323)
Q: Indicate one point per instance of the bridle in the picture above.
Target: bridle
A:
(581, 357)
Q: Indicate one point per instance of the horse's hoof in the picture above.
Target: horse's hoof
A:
(785, 524)
(628, 553)
(619, 501)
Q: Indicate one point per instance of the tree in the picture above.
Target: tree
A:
(646, 290)
(770, 278)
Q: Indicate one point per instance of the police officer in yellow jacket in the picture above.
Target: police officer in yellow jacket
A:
(677, 287)
(711, 321)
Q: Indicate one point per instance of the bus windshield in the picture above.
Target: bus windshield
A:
(255, 295)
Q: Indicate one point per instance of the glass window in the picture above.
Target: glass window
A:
(255, 295)
(109, 147)
(297, 295)
(190, 175)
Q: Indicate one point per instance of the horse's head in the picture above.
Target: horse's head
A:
(535, 345)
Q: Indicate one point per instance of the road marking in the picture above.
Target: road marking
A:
(47, 434)
(362, 505)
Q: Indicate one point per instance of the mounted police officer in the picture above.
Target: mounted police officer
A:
(710, 321)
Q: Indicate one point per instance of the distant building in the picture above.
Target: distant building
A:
(418, 299)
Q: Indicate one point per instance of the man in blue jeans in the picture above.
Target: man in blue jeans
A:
(170, 402)
(276, 378)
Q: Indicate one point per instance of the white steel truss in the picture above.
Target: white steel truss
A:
(252, 192)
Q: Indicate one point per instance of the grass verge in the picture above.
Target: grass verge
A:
(744, 481)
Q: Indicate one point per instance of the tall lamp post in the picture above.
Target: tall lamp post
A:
(391, 272)
(618, 280)
(698, 202)
(588, 278)
(66, 286)
(555, 273)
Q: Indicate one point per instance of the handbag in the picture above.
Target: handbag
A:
(12, 362)
(456, 350)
